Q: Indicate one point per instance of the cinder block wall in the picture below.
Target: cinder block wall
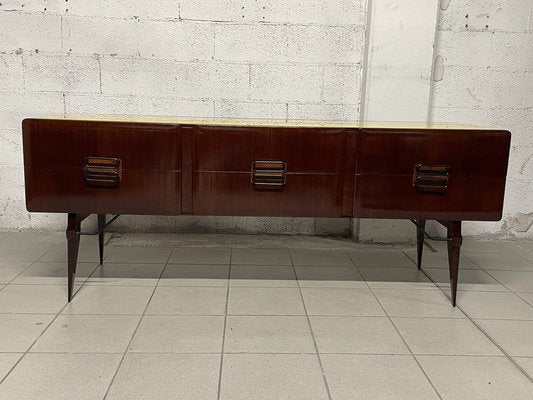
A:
(483, 74)
(248, 58)
(252, 58)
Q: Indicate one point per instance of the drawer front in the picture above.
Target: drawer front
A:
(450, 175)
(138, 192)
(63, 143)
(303, 195)
(234, 149)
(102, 167)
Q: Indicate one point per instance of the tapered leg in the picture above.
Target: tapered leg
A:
(73, 243)
(454, 246)
(101, 237)
(420, 241)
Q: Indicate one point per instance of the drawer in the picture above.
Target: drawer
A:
(138, 192)
(394, 196)
(234, 149)
(232, 193)
(470, 153)
(63, 143)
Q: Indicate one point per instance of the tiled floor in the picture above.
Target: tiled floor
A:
(240, 323)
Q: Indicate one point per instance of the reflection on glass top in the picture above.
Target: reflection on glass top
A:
(264, 122)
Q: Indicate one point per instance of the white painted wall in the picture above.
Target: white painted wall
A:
(259, 58)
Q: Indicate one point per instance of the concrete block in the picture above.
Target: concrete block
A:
(135, 105)
(13, 214)
(327, 12)
(518, 121)
(286, 82)
(137, 37)
(212, 80)
(58, 73)
(323, 111)
(29, 32)
(30, 6)
(251, 42)
(15, 106)
(325, 44)
(475, 15)
(460, 115)
(160, 9)
(142, 77)
(11, 147)
(248, 109)
(386, 230)
(508, 51)
(481, 88)
(342, 83)
(521, 162)
(12, 181)
(11, 76)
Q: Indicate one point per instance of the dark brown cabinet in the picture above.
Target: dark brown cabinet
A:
(247, 168)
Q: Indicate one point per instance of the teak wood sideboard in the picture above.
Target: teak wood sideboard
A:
(165, 166)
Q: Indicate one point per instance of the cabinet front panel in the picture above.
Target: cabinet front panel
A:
(303, 150)
(303, 195)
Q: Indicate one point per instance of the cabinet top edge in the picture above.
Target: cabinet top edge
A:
(244, 122)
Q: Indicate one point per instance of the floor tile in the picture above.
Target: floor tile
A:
(351, 302)
(31, 237)
(321, 258)
(35, 299)
(501, 261)
(396, 278)
(515, 337)
(527, 297)
(272, 377)
(475, 280)
(110, 300)
(264, 301)
(194, 275)
(127, 274)
(383, 377)
(188, 301)
(9, 270)
(60, 377)
(262, 276)
(268, 334)
(331, 277)
(517, 281)
(431, 259)
(22, 251)
(4, 235)
(139, 255)
(381, 258)
(179, 334)
(53, 273)
(86, 253)
(494, 305)
(363, 335)
(19, 331)
(200, 255)
(486, 246)
(476, 378)
(260, 257)
(166, 377)
(417, 303)
(526, 364)
(442, 336)
(7, 361)
(87, 334)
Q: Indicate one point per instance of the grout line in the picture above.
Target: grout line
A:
(219, 386)
(311, 330)
(400, 335)
(135, 331)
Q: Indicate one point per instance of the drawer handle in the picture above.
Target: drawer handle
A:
(102, 171)
(431, 178)
(269, 175)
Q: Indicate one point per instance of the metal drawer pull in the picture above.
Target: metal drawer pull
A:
(102, 171)
(269, 175)
(431, 178)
